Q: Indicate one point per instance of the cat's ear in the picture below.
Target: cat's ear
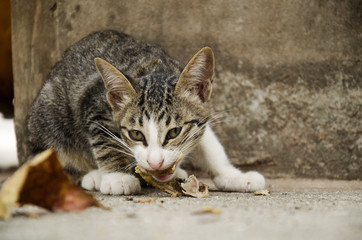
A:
(119, 89)
(196, 78)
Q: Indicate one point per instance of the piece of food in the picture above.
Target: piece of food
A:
(263, 192)
(42, 182)
(177, 187)
(163, 174)
(169, 187)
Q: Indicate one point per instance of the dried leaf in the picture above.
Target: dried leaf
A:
(42, 182)
(211, 210)
(193, 187)
(146, 200)
(28, 214)
(263, 192)
(177, 187)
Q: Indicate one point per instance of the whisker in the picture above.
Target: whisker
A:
(127, 150)
(129, 166)
(112, 135)
(190, 144)
(118, 150)
(189, 141)
(192, 133)
(215, 117)
(175, 154)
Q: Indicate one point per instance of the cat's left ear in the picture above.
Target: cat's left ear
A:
(119, 89)
(196, 78)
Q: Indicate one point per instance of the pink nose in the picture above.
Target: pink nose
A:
(155, 165)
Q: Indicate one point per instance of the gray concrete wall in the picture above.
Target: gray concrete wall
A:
(289, 73)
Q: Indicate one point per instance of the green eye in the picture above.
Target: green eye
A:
(136, 135)
(173, 133)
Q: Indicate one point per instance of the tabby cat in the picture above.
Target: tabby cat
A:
(112, 103)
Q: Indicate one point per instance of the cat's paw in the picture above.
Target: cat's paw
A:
(119, 184)
(240, 182)
(92, 180)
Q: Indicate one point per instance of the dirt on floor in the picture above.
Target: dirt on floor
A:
(296, 209)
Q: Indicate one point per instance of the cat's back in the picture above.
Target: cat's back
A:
(77, 64)
(74, 89)
(119, 49)
(134, 59)
(74, 77)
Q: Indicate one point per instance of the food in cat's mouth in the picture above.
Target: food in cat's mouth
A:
(176, 187)
(165, 186)
(163, 175)
(162, 178)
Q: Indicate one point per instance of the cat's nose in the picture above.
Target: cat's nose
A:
(156, 165)
(155, 158)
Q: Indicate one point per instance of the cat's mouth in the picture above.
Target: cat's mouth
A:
(162, 175)
(163, 178)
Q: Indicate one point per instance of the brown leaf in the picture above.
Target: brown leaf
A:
(146, 200)
(263, 192)
(42, 182)
(193, 187)
(211, 210)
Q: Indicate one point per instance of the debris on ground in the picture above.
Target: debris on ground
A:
(263, 192)
(193, 187)
(145, 200)
(42, 182)
(208, 210)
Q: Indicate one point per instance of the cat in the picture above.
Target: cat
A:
(112, 103)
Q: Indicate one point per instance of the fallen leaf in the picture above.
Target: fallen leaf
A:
(263, 192)
(32, 214)
(193, 187)
(207, 210)
(28, 214)
(146, 200)
(42, 182)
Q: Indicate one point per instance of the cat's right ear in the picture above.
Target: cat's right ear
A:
(119, 89)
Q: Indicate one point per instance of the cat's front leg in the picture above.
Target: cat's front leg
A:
(92, 180)
(225, 175)
(115, 183)
(112, 159)
(118, 183)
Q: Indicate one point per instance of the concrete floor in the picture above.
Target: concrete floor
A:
(296, 209)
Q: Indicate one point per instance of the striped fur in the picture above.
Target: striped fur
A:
(86, 115)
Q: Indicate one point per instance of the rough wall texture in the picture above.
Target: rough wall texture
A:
(289, 73)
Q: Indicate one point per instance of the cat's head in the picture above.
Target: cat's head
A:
(161, 120)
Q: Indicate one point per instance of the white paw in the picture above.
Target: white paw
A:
(92, 180)
(180, 173)
(119, 184)
(240, 182)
